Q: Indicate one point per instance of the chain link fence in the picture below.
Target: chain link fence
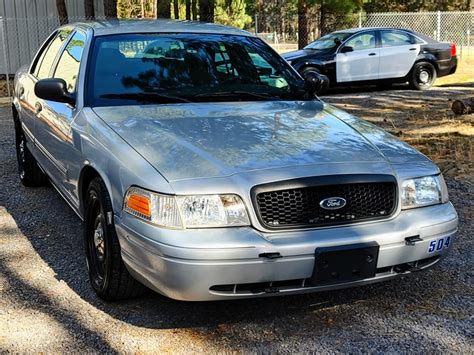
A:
(20, 38)
(282, 32)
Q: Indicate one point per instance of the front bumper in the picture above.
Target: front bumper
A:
(225, 263)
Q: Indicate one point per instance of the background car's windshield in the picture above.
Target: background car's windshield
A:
(164, 68)
(329, 41)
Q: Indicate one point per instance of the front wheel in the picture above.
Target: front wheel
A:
(325, 80)
(423, 76)
(108, 274)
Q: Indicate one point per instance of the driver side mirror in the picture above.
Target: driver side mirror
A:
(347, 49)
(54, 90)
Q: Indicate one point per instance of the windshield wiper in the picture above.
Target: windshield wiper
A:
(236, 93)
(146, 97)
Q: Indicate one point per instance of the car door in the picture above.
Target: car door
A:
(39, 69)
(362, 62)
(398, 53)
(54, 136)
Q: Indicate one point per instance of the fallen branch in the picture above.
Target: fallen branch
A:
(463, 107)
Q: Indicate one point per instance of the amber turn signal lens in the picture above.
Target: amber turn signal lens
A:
(140, 204)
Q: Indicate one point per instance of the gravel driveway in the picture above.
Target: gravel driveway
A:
(46, 303)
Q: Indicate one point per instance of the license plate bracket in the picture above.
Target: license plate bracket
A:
(345, 263)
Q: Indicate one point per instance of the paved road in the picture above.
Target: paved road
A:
(46, 303)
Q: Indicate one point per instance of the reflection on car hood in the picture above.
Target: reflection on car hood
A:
(186, 141)
(297, 54)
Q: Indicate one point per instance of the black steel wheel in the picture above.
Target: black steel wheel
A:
(108, 274)
(325, 80)
(423, 75)
(28, 170)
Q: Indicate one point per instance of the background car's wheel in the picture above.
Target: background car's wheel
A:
(28, 169)
(423, 75)
(305, 71)
(108, 275)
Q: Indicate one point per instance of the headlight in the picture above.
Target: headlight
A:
(424, 191)
(192, 211)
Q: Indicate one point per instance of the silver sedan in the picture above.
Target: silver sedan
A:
(204, 167)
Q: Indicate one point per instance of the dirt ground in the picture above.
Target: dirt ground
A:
(421, 118)
(47, 305)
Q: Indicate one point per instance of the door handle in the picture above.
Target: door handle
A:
(38, 107)
(371, 54)
(413, 49)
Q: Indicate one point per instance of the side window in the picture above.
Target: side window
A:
(395, 38)
(46, 59)
(68, 65)
(363, 41)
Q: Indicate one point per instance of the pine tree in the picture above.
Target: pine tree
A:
(163, 8)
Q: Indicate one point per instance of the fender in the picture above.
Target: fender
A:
(326, 66)
(428, 57)
(316, 62)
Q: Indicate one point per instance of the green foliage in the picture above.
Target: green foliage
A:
(232, 13)
(415, 5)
(338, 6)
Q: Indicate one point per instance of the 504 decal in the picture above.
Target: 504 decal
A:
(439, 244)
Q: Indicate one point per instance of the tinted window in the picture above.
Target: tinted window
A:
(68, 65)
(150, 68)
(363, 41)
(395, 38)
(46, 60)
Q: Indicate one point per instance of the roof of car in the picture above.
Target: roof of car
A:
(110, 27)
(357, 29)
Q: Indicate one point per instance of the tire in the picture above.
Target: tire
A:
(29, 171)
(423, 76)
(108, 274)
(307, 70)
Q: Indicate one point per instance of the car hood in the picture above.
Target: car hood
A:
(305, 52)
(202, 140)
(297, 54)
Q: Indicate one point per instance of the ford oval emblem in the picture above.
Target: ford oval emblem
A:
(333, 203)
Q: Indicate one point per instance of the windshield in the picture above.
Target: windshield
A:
(329, 41)
(177, 68)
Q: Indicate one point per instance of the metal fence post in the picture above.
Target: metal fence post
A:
(5, 56)
(360, 19)
(438, 27)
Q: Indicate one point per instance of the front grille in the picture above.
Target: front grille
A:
(299, 206)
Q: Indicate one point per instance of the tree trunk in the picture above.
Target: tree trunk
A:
(302, 24)
(62, 11)
(194, 10)
(110, 8)
(261, 17)
(163, 8)
(89, 9)
(206, 10)
(463, 107)
(188, 9)
(176, 9)
(322, 20)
